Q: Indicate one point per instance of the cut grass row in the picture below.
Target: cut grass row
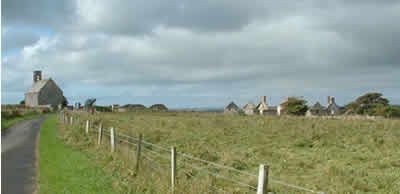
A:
(65, 169)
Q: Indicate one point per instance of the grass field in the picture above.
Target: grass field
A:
(63, 169)
(335, 156)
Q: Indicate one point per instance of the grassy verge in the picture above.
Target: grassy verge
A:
(63, 169)
(7, 123)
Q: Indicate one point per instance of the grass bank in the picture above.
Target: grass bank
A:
(7, 123)
(65, 169)
(335, 156)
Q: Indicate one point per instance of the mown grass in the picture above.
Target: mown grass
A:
(335, 156)
(7, 123)
(63, 169)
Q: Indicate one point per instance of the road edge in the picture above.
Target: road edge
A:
(37, 160)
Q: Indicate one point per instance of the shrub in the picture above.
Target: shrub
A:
(294, 106)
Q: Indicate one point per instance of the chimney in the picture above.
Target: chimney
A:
(263, 100)
(329, 100)
(37, 75)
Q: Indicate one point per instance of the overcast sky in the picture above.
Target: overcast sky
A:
(191, 53)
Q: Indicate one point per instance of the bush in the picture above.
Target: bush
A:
(391, 112)
(294, 106)
(241, 112)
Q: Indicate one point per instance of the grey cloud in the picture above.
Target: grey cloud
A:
(13, 39)
(221, 48)
(142, 16)
(47, 13)
(369, 28)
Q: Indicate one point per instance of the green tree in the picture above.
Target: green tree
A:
(22, 102)
(370, 104)
(65, 101)
(294, 106)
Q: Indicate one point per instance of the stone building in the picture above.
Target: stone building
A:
(264, 109)
(43, 92)
(280, 107)
(263, 106)
(231, 109)
(115, 108)
(271, 111)
(333, 109)
(316, 110)
(250, 109)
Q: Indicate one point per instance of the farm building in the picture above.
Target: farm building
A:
(250, 109)
(231, 109)
(333, 109)
(264, 109)
(316, 110)
(271, 111)
(115, 108)
(43, 92)
(263, 105)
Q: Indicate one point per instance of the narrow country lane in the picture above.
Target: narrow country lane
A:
(18, 157)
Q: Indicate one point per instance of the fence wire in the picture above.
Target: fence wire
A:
(217, 175)
(217, 165)
(157, 146)
(156, 153)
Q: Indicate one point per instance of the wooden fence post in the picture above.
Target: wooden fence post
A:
(100, 131)
(112, 139)
(72, 120)
(263, 179)
(173, 168)
(138, 150)
(87, 127)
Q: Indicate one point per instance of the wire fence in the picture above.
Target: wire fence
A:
(145, 151)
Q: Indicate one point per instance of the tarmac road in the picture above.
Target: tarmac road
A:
(18, 157)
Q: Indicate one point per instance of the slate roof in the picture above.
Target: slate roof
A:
(262, 106)
(333, 106)
(317, 106)
(231, 106)
(250, 105)
(37, 86)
